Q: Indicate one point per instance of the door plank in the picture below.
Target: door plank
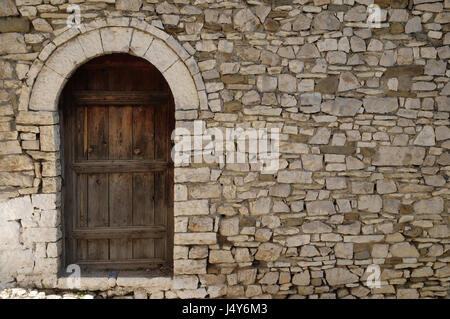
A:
(120, 232)
(120, 184)
(97, 197)
(119, 166)
(120, 97)
(143, 133)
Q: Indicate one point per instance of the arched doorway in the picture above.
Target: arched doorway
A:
(117, 115)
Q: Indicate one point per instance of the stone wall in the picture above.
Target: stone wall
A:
(364, 117)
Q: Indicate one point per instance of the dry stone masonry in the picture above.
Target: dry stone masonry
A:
(365, 138)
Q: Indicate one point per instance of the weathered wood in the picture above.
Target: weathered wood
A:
(130, 232)
(149, 98)
(126, 264)
(120, 166)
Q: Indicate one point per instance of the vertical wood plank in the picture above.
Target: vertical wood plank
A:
(143, 183)
(97, 184)
(120, 185)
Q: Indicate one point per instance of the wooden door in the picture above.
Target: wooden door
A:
(118, 115)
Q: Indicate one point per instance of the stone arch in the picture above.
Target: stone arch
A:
(59, 59)
(72, 48)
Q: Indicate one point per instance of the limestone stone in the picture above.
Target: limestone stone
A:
(380, 105)
(302, 22)
(434, 205)
(266, 83)
(320, 207)
(229, 226)
(301, 279)
(19, 208)
(362, 188)
(205, 191)
(344, 250)
(439, 231)
(357, 44)
(16, 179)
(356, 14)
(12, 42)
(298, 240)
(8, 8)
(14, 25)
(128, 5)
(398, 156)
(37, 118)
(294, 148)
(404, 249)
(435, 180)
(41, 235)
(294, 177)
(261, 206)
(322, 136)
(183, 175)
(308, 51)
(316, 227)
(49, 138)
(116, 39)
(296, 66)
(347, 81)
(195, 238)
(15, 163)
(426, 137)
(326, 21)
(327, 45)
(340, 276)
(220, 256)
(10, 147)
(342, 106)
(45, 201)
(192, 207)
(42, 25)
(160, 55)
(46, 89)
(91, 43)
(182, 86)
(435, 67)
(398, 15)
(309, 251)
(312, 163)
(413, 25)
(287, 83)
(334, 183)
(268, 252)
(200, 224)
(442, 133)
(370, 203)
(270, 58)
(280, 190)
(386, 187)
(244, 20)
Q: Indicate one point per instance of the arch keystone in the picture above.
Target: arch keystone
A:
(116, 39)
